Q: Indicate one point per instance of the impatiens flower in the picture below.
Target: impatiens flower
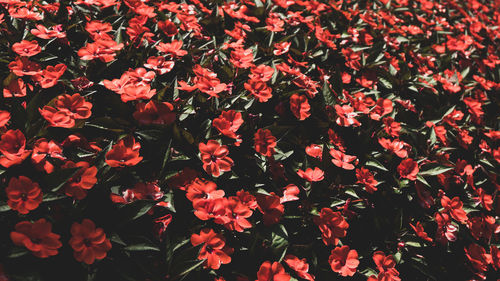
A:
(259, 90)
(315, 150)
(43, 32)
(200, 189)
(36, 237)
(272, 272)
(26, 48)
(13, 148)
(68, 108)
(290, 193)
(124, 153)
(238, 213)
(104, 50)
(383, 107)
(50, 76)
(261, 72)
(281, 48)
(154, 113)
(342, 160)
(300, 266)
(478, 257)
(408, 169)
(23, 66)
(365, 177)
(332, 226)
(4, 118)
(344, 261)
(214, 250)
(161, 225)
(88, 242)
(446, 231)
(214, 158)
(346, 116)
(454, 208)
(311, 175)
(270, 207)
(16, 88)
(173, 49)
(299, 105)
(228, 123)
(265, 142)
(398, 147)
(159, 64)
(83, 180)
(419, 230)
(24, 195)
(242, 58)
(386, 265)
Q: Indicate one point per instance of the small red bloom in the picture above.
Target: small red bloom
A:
(478, 257)
(228, 123)
(366, 178)
(83, 180)
(383, 107)
(272, 272)
(49, 76)
(24, 195)
(124, 153)
(12, 146)
(332, 226)
(213, 250)
(16, 88)
(202, 190)
(173, 49)
(341, 159)
(344, 261)
(420, 231)
(315, 150)
(26, 48)
(261, 72)
(408, 169)
(68, 108)
(214, 158)
(265, 142)
(4, 118)
(37, 237)
(88, 242)
(346, 116)
(386, 265)
(311, 175)
(242, 58)
(154, 113)
(454, 208)
(299, 105)
(259, 90)
(398, 147)
(281, 48)
(300, 266)
(271, 208)
(238, 213)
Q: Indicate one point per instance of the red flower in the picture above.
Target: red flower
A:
(159, 64)
(213, 250)
(478, 257)
(173, 49)
(12, 146)
(300, 266)
(315, 150)
(36, 237)
(386, 265)
(281, 48)
(344, 261)
(408, 169)
(168, 27)
(202, 190)
(290, 193)
(83, 180)
(228, 123)
(265, 142)
(161, 225)
(154, 113)
(272, 272)
(311, 175)
(49, 76)
(299, 105)
(238, 213)
(346, 116)
(271, 208)
(420, 231)
(16, 88)
(4, 118)
(366, 178)
(259, 90)
(88, 242)
(44, 150)
(105, 50)
(23, 66)
(24, 195)
(26, 48)
(368, 79)
(214, 158)
(124, 153)
(342, 160)
(454, 208)
(332, 226)
(68, 108)
(383, 107)
(400, 148)
(262, 72)
(242, 58)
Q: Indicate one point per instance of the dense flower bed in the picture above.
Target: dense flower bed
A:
(251, 140)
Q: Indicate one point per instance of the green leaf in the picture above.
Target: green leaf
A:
(433, 169)
(192, 265)
(145, 246)
(58, 178)
(327, 94)
(136, 209)
(376, 164)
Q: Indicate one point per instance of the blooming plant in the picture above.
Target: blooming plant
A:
(278, 140)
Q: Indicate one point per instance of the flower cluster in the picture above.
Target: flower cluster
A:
(249, 140)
